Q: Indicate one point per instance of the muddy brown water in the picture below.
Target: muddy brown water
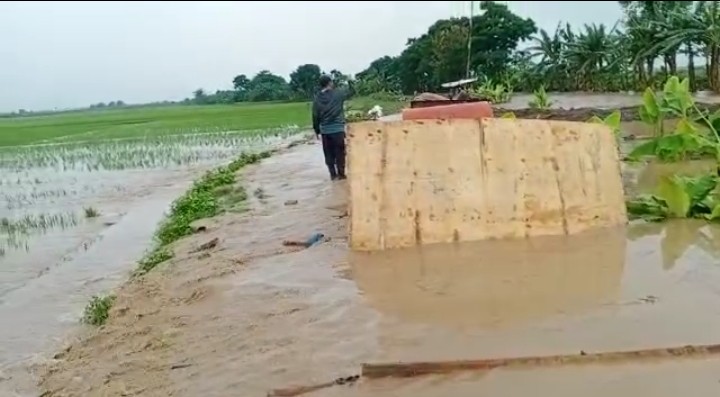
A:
(252, 315)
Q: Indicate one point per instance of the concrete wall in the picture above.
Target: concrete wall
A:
(430, 181)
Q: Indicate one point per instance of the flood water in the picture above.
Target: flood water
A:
(61, 257)
(285, 317)
(570, 100)
(646, 285)
(636, 287)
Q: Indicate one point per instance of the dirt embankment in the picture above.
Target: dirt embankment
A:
(629, 113)
(240, 318)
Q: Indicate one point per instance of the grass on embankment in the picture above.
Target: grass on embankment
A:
(139, 122)
(209, 196)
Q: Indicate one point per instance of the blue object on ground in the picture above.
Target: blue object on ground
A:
(314, 239)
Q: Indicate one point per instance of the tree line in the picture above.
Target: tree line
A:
(266, 86)
(640, 50)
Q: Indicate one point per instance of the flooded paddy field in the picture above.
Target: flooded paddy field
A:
(76, 216)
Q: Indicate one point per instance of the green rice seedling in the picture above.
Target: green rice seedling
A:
(151, 260)
(98, 310)
(153, 152)
(91, 212)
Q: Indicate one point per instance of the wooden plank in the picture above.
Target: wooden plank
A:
(444, 367)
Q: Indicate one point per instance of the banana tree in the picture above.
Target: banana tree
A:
(678, 197)
(702, 27)
(689, 139)
(591, 53)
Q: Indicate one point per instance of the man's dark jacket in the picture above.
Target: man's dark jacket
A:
(328, 112)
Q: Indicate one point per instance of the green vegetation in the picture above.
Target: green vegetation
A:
(679, 197)
(165, 124)
(390, 102)
(154, 258)
(58, 173)
(150, 122)
(98, 310)
(14, 231)
(493, 92)
(133, 153)
(640, 51)
(232, 198)
(201, 201)
(612, 120)
(206, 198)
(39, 222)
(694, 135)
(91, 212)
(540, 100)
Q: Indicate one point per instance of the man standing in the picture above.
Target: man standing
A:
(328, 117)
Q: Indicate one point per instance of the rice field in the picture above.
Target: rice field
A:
(146, 122)
(56, 170)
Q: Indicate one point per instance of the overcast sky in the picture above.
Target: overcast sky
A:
(69, 54)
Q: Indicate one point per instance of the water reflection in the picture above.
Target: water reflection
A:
(677, 236)
(649, 176)
(493, 283)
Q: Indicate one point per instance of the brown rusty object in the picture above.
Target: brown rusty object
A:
(300, 390)
(442, 367)
(294, 243)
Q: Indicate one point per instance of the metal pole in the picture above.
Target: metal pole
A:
(469, 42)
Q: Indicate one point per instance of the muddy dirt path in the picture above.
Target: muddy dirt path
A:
(251, 315)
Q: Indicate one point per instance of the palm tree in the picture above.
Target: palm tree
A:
(548, 48)
(641, 26)
(553, 52)
(592, 52)
(701, 27)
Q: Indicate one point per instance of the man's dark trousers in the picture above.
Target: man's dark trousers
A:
(334, 150)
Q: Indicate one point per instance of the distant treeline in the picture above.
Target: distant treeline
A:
(640, 51)
(98, 106)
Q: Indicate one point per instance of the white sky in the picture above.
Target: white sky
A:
(69, 54)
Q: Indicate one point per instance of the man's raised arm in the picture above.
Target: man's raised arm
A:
(315, 119)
